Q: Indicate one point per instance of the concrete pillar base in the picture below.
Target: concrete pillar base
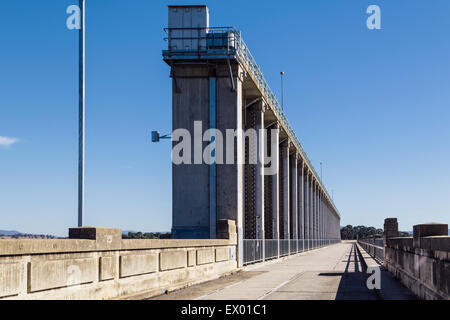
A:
(226, 229)
(390, 228)
(107, 238)
(190, 233)
(428, 229)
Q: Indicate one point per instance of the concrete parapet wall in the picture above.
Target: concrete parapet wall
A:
(106, 266)
(421, 263)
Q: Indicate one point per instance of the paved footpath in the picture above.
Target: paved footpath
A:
(329, 273)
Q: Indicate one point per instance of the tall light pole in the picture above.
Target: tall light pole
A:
(81, 110)
(321, 176)
(282, 91)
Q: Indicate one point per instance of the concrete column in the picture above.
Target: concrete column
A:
(321, 215)
(294, 195)
(331, 222)
(324, 218)
(390, 228)
(328, 221)
(230, 177)
(306, 206)
(301, 201)
(319, 207)
(427, 230)
(319, 220)
(259, 196)
(275, 142)
(285, 156)
(316, 211)
(190, 183)
(311, 208)
(325, 228)
(318, 214)
(212, 166)
(330, 233)
(316, 207)
(192, 99)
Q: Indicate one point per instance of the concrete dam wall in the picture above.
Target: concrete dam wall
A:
(96, 263)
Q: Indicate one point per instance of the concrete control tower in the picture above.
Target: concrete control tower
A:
(207, 87)
(216, 84)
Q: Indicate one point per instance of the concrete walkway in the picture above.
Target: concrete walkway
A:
(330, 273)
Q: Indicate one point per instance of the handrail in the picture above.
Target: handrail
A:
(372, 247)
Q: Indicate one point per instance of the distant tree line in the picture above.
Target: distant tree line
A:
(350, 232)
(147, 235)
(29, 236)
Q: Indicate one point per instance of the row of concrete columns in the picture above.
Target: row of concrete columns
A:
(287, 205)
(300, 208)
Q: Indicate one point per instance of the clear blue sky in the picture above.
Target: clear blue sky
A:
(373, 106)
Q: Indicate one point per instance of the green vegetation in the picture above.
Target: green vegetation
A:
(28, 236)
(146, 235)
(350, 232)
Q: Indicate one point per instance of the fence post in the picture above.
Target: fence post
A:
(278, 248)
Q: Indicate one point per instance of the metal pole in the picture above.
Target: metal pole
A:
(321, 176)
(81, 112)
(282, 91)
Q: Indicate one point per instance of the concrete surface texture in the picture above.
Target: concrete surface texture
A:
(390, 289)
(98, 264)
(334, 272)
(422, 262)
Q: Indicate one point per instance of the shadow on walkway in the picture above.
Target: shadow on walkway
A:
(353, 280)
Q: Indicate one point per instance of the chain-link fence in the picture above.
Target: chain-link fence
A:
(258, 250)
